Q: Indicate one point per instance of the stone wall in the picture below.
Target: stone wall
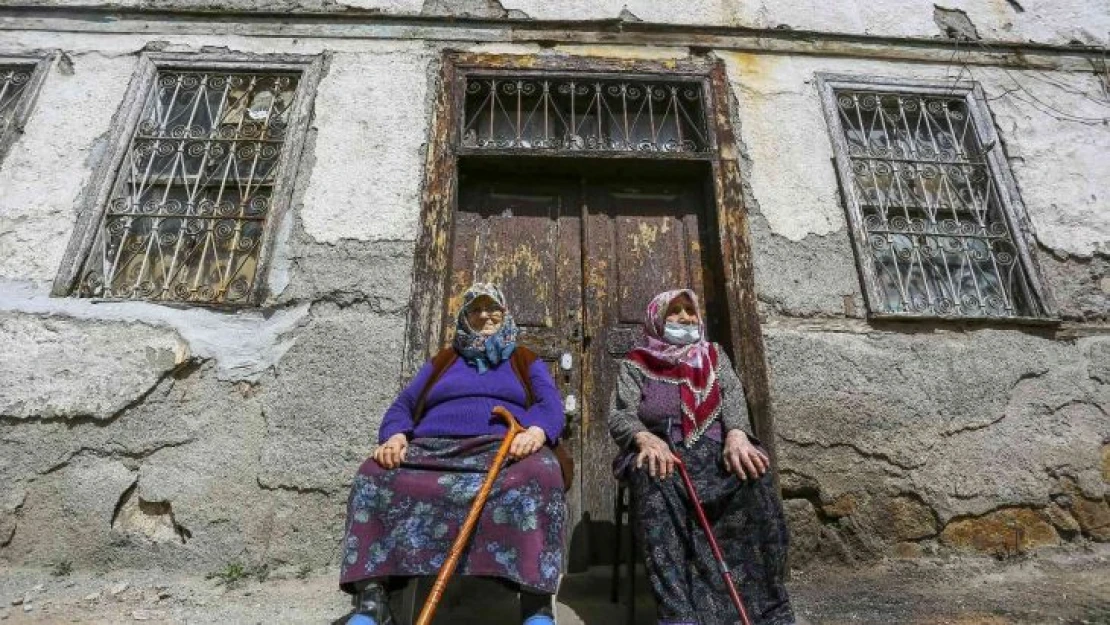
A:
(133, 434)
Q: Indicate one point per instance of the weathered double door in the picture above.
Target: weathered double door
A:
(578, 260)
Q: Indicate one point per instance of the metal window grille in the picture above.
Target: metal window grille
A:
(14, 80)
(187, 212)
(929, 212)
(584, 114)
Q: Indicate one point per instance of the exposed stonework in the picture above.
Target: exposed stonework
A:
(992, 418)
(954, 23)
(151, 519)
(1006, 532)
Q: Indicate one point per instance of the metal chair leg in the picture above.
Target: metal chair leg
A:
(411, 597)
(618, 516)
(633, 554)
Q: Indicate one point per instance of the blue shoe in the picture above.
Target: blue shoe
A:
(539, 619)
(361, 619)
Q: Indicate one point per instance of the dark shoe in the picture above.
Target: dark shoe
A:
(372, 607)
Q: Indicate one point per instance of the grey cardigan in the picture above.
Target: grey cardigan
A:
(624, 403)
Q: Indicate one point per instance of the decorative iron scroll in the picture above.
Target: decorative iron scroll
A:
(933, 222)
(584, 114)
(187, 215)
(13, 83)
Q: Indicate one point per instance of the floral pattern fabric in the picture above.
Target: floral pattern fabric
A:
(748, 523)
(402, 522)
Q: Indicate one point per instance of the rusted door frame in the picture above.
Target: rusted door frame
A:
(439, 203)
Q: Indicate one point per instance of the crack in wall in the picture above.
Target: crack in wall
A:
(113, 454)
(872, 455)
(72, 421)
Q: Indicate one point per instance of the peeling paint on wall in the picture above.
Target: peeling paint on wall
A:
(244, 344)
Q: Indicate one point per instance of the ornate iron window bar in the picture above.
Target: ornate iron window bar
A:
(584, 114)
(14, 81)
(929, 212)
(187, 212)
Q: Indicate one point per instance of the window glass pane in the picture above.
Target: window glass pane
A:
(933, 222)
(189, 207)
(567, 113)
(13, 84)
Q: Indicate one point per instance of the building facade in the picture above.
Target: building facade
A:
(229, 232)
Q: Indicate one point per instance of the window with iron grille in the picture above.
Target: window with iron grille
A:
(585, 114)
(930, 202)
(19, 81)
(189, 211)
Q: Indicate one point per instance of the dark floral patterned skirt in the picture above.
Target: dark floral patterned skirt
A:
(402, 522)
(748, 523)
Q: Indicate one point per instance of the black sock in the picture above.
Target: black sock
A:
(535, 603)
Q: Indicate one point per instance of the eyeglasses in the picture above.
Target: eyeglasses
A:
(491, 310)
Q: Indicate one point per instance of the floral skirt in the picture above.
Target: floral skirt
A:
(402, 522)
(748, 523)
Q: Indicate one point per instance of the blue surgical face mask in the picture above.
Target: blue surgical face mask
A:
(681, 333)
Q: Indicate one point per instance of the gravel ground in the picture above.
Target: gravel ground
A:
(1070, 586)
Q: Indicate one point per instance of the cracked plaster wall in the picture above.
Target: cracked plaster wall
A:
(805, 265)
(888, 438)
(176, 416)
(1045, 21)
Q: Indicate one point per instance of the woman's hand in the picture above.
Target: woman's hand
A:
(390, 453)
(527, 443)
(655, 454)
(743, 458)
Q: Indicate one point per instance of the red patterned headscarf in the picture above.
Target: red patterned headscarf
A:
(693, 367)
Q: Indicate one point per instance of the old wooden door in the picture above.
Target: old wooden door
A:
(578, 260)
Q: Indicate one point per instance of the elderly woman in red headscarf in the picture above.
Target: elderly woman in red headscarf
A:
(678, 397)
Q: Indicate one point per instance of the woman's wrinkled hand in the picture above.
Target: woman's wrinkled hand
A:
(655, 453)
(527, 443)
(743, 458)
(390, 453)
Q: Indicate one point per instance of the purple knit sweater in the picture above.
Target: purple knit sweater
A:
(460, 403)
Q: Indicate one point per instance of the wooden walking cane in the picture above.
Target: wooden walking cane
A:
(732, 592)
(429, 609)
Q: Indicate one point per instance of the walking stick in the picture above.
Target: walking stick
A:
(429, 609)
(732, 592)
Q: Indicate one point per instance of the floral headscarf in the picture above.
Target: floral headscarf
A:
(693, 367)
(477, 349)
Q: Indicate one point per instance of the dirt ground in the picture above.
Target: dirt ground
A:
(1070, 586)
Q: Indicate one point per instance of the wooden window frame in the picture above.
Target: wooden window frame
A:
(94, 203)
(440, 203)
(1012, 209)
(39, 65)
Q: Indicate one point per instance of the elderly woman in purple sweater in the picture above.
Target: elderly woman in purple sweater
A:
(436, 443)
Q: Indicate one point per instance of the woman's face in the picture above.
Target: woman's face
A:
(484, 315)
(681, 310)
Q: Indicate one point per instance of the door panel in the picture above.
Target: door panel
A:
(578, 262)
(641, 238)
(526, 237)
